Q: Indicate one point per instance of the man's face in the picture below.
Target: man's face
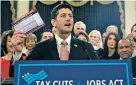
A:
(46, 36)
(124, 49)
(104, 36)
(79, 28)
(63, 21)
(111, 30)
(134, 33)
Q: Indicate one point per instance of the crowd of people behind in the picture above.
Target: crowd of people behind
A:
(106, 46)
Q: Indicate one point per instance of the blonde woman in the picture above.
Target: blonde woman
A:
(96, 40)
(30, 42)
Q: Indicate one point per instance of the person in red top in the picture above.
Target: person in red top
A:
(7, 47)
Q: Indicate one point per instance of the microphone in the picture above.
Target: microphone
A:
(88, 54)
(86, 50)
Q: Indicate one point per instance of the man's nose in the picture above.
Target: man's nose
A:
(80, 30)
(124, 49)
(48, 37)
(68, 18)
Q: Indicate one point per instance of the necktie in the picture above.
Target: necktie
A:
(64, 54)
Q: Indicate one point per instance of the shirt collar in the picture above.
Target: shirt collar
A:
(125, 58)
(59, 40)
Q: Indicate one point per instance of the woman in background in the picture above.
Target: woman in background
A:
(110, 47)
(7, 48)
(96, 40)
(29, 42)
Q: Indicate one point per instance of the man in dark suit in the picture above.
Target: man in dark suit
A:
(62, 20)
(133, 60)
(125, 51)
(47, 34)
(79, 50)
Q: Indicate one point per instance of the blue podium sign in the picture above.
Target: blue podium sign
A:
(73, 72)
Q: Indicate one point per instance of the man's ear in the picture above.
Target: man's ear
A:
(53, 22)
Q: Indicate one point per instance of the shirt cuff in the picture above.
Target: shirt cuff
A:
(16, 57)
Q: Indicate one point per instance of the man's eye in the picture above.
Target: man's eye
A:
(45, 37)
(78, 28)
(121, 47)
(63, 15)
(82, 28)
(70, 15)
(126, 46)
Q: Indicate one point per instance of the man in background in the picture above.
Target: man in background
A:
(132, 38)
(112, 29)
(125, 51)
(47, 34)
(79, 27)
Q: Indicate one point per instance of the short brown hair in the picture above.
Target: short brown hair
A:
(30, 36)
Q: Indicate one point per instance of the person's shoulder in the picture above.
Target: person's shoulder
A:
(43, 43)
(2, 59)
(39, 49)
(100, 50)
(133, 58)
(80, 41)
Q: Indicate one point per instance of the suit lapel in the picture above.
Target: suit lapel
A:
(74, 48)
(53, 49)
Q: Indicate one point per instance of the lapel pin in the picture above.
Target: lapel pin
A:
(75, 45)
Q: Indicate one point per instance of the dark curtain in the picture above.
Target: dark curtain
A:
(44, 11)
(98, 16)
(6, 16)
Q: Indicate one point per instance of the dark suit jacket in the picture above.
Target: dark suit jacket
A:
(11, 68)
(133, 59)
(47, 50)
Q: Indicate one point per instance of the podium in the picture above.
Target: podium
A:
(10, 81)
(86, 72)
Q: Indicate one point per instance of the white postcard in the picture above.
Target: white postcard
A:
(29, 22)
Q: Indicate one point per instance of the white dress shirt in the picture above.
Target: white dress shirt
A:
(59, 40)
(16, 57)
